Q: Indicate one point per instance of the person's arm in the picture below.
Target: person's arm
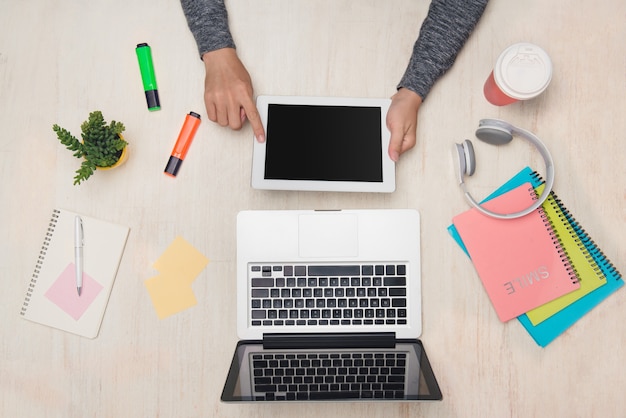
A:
(443, 33)
(228, 93)
(208, 22)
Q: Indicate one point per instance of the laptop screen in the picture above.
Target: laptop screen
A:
(324, 143)
(401, 373)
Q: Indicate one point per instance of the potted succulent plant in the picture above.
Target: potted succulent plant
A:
(102, 145)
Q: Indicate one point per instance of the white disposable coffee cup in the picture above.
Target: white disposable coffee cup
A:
(522, 72)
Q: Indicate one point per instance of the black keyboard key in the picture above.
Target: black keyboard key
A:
(258, 314)
(288, 270)
(263, 282)
(401, 269)
(260, 293)
(398, 302)
(334, 270)
(397, 291)
(395, 281)
(367, 270)
(300, 271)
(390, 270)
(265, 388)
(393, 386)
(335, 395)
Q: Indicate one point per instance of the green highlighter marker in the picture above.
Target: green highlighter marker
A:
(144, 56)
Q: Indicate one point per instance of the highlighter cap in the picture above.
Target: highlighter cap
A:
(173, 165)
(152, 97)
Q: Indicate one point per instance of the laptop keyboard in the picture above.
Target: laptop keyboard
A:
(328, 295)
(312, 376)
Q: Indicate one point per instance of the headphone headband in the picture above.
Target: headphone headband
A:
(497, 132)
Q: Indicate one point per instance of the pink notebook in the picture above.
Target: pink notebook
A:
(519, 261)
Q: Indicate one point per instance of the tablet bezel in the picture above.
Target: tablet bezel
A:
(388, 183)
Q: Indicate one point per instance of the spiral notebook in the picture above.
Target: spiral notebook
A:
(520, 261)
(587, 270)
(52, 298)
(549, 329)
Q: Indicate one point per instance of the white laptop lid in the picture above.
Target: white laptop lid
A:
(323, 144)
(345, 237)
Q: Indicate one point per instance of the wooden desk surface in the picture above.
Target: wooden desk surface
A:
(59, 60)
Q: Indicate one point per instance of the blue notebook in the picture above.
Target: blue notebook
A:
(546, 331)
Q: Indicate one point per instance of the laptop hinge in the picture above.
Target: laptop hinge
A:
(318, 340)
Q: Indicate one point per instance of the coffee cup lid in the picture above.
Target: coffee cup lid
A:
(523, 71)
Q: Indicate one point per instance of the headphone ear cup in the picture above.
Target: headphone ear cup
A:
(470, 157)
(460, 153)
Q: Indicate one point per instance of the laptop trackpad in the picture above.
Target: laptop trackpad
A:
(328, 235)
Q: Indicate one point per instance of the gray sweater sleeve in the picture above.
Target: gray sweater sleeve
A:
(208, 22)
(443, 33)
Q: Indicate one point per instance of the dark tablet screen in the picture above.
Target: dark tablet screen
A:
(324, 143)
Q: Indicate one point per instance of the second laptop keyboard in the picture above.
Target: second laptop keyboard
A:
(333, 295)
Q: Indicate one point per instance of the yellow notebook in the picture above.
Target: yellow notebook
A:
(588, 272)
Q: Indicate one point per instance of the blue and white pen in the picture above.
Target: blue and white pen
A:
(78, 252)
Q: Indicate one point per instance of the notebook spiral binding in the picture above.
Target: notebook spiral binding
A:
(595, 251)
(596, 257)
(571, 271)
(40, 259)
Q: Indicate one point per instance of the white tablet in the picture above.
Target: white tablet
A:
(323, 144)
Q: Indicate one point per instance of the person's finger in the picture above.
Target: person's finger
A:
(221, 112)
(234, 116)
(409, 140)
(252, 113)
(395, 144)
(210, 109)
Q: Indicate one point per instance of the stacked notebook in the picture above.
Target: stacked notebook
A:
(543, 268)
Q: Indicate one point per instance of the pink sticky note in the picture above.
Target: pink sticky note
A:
(63, 292)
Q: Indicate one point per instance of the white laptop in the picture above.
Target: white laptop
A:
(329, 307)
(323, 144)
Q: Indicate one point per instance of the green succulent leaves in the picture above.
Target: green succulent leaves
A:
(101, 145)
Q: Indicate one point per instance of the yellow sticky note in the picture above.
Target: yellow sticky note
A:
(182, 260)
(179, 266)
(169, 295)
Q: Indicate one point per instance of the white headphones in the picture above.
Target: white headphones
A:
(498, 132)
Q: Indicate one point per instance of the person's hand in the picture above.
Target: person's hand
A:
(402, 122)
(228, 93)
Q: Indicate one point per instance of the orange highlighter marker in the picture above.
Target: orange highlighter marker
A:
(192, 121)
